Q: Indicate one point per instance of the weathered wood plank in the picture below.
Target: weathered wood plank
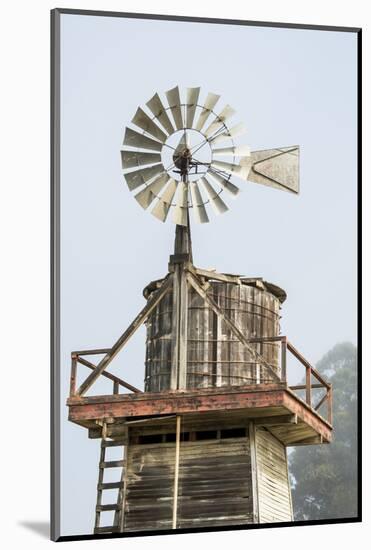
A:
(257, 400)
(273, 484)
(277, 420)
(109, 485)
(176, 472)
(172, 403)
(111, 464)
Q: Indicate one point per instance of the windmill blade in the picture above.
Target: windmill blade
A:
(173, 98)
(192, 99)
(143, 121)
(218, 204)
(278, 168)
(156, 107)
(130, 159)
(219, 121)
(210, 102)
(149, 193)
(134, 139)
(241, 170)
(199, 210)
(225, 183)
(239, 151)
(181, 207)
(233, 132)
(138, 177)
(161, 209)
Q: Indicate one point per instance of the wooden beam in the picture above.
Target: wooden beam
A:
(266, 339)
(236, 331)
(303, 387)
(178, 377)
(283, 358)
(216, 276)
(99, 351)
(153, 301)
(329, 405)
(151, 420)
(115, 379)
(146, 404)
(277, 420)
(176, 472)
(306, 364)
(73, 375)
(312, 440)
(254, 472)
(321, 401)
(183, 331)
(308, 388)
(175, 330)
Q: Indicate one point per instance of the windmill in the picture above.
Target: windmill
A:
(205, 444)
(187, 182)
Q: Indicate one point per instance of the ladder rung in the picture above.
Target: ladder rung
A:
(112, 464)
(107, 507)
(109, 529)
(115, 485)
(114, 443)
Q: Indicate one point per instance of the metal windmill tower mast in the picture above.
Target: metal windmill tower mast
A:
(205, 443)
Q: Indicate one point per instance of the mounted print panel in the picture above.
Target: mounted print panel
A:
(205, 342)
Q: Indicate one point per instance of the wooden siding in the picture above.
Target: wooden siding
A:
(149, 487)
(215, 357)
(274, 495)
(214, 484)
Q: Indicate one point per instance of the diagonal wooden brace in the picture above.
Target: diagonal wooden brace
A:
(236, 331)
(110, 376)
(154, 300)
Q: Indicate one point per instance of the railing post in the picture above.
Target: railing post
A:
(116, 387)
(308, 389)
(283, 358)
(73, 375)
(329, 404)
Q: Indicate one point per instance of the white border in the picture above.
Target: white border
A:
(25, 269)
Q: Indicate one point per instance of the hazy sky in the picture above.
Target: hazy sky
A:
(289, 87)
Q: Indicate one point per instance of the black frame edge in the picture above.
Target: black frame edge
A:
(194, 19)
(54, 275)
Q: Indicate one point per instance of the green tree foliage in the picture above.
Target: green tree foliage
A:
(324, 477)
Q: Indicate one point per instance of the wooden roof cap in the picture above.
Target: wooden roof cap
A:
(256, 282)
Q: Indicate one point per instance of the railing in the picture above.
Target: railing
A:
(78, 357)
(310, 371)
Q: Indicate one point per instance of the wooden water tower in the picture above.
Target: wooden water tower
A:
(205, 443)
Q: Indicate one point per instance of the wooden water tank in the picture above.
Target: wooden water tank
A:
(215, 357)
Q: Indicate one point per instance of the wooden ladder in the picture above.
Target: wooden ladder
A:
(102, 486)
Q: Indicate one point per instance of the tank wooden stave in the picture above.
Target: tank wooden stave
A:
(215, 357)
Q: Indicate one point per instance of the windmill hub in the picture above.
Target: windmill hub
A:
(186, 154)
(183, 160)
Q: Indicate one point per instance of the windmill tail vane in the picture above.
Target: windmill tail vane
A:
(185, 155)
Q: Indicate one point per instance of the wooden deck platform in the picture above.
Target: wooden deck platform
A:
(274, 406)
